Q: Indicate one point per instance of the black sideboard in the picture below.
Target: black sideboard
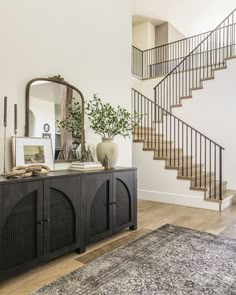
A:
(44, 217)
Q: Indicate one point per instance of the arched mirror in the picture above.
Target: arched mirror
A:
(55, 109)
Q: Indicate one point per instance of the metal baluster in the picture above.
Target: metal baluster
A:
(233, 36)
(207, 58)
(143, 131)
(145, 119)
(174, 139)
(162, 132)
(166, 133)
(183, 149)
(195, 158)
(210, 170)
(158, 130)
(200, 159)
(220, 173)
(170, 143)
(227, 37)
(219, 33)
(176, 88)
(178, 143)
(215, 171)
(215, 48)
(187, 148)
(191, 151)
(205, 163)
(137, 107)
(134, 106)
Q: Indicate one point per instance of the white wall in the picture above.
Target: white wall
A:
(212, 111)
(151, 35)
(87, 42)
(161, 34)
(140, 36)
(174, 34)
(146, 86)
(42, 112)
(167, 33)
(143, 35)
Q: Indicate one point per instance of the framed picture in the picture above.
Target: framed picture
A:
(32, 150)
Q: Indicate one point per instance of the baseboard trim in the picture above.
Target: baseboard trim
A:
(177, 199)
(227, 202)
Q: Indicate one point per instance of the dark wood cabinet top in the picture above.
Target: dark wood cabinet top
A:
(61, 173)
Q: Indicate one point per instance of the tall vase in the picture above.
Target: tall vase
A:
(109, 148)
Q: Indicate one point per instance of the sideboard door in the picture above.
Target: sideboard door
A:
(61, 216)
(21, 230)
(97, 198)
(124, 200)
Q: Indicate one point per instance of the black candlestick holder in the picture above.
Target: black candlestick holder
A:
(4, 151)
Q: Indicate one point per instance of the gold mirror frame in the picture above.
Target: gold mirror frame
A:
(59, 80)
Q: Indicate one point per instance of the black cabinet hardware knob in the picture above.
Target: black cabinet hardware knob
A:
(112, 203)
(47, 220)
(40, 222)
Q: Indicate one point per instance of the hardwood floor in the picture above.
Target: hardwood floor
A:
(151, 215)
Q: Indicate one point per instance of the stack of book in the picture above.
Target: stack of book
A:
(86, 166)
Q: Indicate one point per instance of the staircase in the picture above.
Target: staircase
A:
(195, 156)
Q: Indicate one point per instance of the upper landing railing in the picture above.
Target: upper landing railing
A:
(163, 59)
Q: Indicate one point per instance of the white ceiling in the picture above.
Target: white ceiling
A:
(190, 17)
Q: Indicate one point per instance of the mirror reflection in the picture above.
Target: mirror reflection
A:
(55, 111)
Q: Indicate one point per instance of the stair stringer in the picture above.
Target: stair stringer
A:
(159, 184)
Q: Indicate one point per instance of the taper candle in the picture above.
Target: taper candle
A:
(15, 118)
(5, 112)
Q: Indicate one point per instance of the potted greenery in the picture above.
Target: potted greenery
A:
(109, 122)
(72, 122)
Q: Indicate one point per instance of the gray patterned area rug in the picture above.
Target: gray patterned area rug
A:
(171, 260)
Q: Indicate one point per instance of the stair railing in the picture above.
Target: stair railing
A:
(199, 65)
(195, 156)
(137, 62)
(162, 59)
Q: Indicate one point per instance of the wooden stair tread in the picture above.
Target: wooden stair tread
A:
(149, 133)
(230, 57)
(186, 97)
(176, 105)
(193, 177)
(196, 88)
(206, 79)
(153, 141)
(168, 149)
(226, 194)
(199, 188)
(220, 68)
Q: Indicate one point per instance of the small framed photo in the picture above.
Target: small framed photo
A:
(32, 150)
(46, 127)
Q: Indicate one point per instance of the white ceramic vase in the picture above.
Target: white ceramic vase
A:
(109, 148)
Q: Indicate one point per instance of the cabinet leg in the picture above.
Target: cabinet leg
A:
(133, 227)
(80, 250)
